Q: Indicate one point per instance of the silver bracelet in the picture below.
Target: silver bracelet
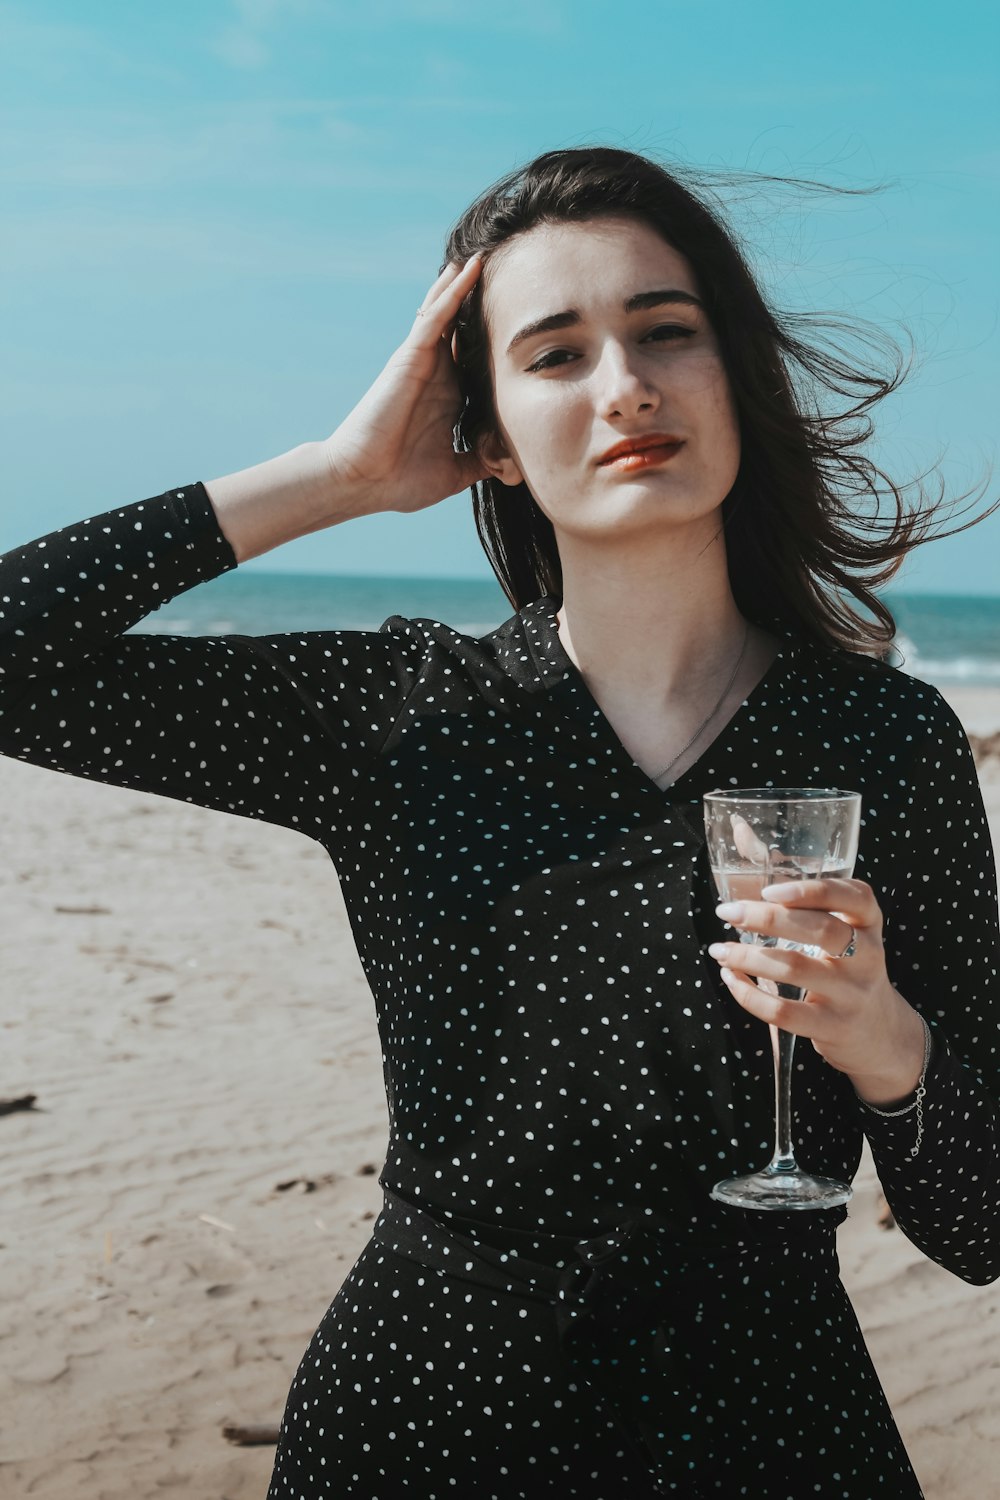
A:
(918, 1102)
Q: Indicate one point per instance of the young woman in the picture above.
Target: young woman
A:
(551, 1303)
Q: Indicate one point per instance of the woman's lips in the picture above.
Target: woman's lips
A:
(644, 458)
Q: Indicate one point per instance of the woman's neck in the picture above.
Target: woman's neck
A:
(649, 621)
(661, 645)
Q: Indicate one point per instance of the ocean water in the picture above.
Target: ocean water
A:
(942, 638)
(247, 602)
(948, 638)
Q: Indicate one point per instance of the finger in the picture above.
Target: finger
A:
(748, 845)
(446, 296)
(854, 900)
(780, 965)
(798, 1016)
(814, 929)
(446, 276)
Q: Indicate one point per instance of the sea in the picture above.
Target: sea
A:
(945, 639)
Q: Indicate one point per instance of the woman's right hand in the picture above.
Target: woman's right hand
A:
(395, 450)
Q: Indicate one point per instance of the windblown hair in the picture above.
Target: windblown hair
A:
(813, 526)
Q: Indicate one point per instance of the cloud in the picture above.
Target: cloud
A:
(528, 17)
(168, 248)
(531, 17)
(258, 14)
(253, 143)
(240, 49)
(258, 26)
(242, 45)
(50, 52)
(257, 145)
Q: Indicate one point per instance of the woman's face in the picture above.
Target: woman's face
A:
(633, 355)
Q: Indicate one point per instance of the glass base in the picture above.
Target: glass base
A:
(781, 1190)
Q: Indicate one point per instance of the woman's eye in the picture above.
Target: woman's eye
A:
(663, 333)
(666, 331)
(547, 361)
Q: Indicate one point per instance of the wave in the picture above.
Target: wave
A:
(972, 670)
(944, 639)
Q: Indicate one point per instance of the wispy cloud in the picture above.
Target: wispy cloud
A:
(50, 52)
(258, 27)
(240, 48)
(254, 142)
(532, 17)
(246, 43)
(160, 248)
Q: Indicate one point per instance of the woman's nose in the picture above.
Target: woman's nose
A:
(625, 388)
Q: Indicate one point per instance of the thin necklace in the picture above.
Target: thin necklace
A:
(722, 698)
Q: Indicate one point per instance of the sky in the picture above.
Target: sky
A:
(217, 218)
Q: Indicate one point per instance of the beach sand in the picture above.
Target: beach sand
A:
(182, 993)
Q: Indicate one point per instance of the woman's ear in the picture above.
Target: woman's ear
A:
(497, 459)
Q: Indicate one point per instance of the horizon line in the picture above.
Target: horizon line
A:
(488, 578)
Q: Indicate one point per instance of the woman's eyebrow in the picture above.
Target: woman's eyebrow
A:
(639, 303)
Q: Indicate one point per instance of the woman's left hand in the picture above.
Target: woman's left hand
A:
(850, 1011)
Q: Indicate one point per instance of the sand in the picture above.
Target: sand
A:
(182, 993)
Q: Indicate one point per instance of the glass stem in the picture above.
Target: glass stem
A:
(782, 1045)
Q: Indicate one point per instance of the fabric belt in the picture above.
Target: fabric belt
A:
(628, 1303)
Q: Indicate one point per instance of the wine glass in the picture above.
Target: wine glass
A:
(759, 836)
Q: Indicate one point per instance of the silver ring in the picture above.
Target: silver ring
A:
(420, 312)
(849, 951)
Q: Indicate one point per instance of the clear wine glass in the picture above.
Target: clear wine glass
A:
(759, 836)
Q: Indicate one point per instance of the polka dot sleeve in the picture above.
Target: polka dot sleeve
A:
(279, 728)
(943, 953)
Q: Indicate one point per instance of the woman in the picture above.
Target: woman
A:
(551, 1303)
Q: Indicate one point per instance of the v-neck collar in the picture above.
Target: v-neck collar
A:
(561, 676)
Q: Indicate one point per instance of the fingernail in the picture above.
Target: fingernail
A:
(777, 892)
(730, 911)
(726, 975)
(717, 950)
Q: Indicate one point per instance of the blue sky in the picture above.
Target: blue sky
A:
(218, 217)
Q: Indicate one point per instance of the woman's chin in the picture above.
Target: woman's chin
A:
(638, 510)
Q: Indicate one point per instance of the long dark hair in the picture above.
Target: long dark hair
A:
(809, 536)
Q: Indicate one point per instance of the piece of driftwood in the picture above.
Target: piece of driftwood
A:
(86, 911)
(985, 746)
(217, 1223)
(884, 1217)
(251, 1434)
(305, 1184)
(24, 1101)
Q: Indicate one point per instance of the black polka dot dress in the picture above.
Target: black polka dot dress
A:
(550, 1303)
